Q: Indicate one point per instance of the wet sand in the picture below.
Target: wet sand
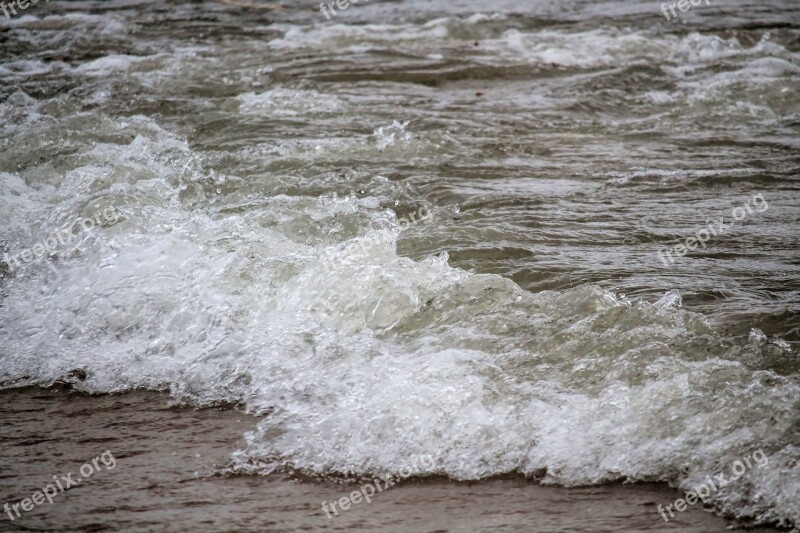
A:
(167, 478)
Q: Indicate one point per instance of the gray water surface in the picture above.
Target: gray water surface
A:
(420, 227)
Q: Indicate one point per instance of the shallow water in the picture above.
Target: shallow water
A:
(420, 228)
(169, 473)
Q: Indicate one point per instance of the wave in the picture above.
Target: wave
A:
(281, 285)
(301, 309)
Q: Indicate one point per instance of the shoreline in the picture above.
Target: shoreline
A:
(169, 460)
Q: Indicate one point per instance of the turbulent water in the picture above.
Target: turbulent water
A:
(418, 228)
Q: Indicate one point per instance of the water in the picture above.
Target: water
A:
(522, 322)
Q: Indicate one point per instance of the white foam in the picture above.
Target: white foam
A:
(281, 101)
(106, 65)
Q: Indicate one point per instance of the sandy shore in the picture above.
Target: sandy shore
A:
(164, 479)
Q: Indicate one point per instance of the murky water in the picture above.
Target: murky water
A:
(420, 228)
(170, 475)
